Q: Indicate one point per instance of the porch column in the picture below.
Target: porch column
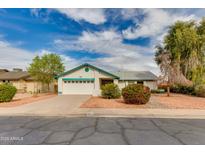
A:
(97, 87)
(116, 81)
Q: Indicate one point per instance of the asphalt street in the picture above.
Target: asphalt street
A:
(98, 131)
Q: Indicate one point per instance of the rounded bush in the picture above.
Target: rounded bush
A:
(136, 94)
(200, 90)
(7, 92)
(182, 89)
(110, 90)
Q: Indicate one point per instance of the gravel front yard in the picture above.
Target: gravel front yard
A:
(178, 101)
(175, 101)
(21, 99)
(98, 102)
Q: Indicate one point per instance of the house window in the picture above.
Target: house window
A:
(73, 81)
(84, 81)
(65, 81)
(6, 81)
(88, 81)
(140, 82)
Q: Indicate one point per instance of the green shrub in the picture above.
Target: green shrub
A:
(158, 91)
(200, 90)
(163, 86)
(7, 92)
(110, 90)
(182, 89)
(136, 94)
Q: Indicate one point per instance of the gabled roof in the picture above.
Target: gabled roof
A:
(87, 65)
(13, 75)
(136, 75)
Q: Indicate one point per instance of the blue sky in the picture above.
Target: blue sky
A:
(113, 39)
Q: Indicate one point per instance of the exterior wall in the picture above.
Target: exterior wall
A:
(20, 85)
(30, 86)
(122, 84)
(60, 85)
(81, 73)
(151, 84)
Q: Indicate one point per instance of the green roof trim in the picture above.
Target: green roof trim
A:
(88, 65)
(78, 79)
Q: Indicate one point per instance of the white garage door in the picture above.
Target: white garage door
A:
(78, 87)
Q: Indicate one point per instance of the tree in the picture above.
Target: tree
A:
(46, 67)
(163, 59)
(185, 43)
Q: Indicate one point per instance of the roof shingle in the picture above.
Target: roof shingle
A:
(136, 75)
(13, 75)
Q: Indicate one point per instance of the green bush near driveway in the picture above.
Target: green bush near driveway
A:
(158, 91)
(136, 94)
(110, 91)
(182, 89)
(7, 92)
(200, 90)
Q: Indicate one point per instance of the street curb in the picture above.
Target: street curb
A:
(97, 115)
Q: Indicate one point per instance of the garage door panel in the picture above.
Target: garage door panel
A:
(78, 87)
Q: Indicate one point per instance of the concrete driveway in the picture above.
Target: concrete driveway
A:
(59, 105)
(137, 131)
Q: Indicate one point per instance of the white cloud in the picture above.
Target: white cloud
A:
(155, 22)
(95, 16)
(129, 13)
(13, 57)
(130, 57)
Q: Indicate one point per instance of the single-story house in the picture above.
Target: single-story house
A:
(22, 81)
(3, 70)
(88, 79)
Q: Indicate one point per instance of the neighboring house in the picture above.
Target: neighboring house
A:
(3, 71)
(88, 79)
(22, 81)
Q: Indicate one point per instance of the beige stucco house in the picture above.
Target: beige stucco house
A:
(88, 79)
(23, 81)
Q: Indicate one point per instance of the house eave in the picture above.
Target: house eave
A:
(87, 65)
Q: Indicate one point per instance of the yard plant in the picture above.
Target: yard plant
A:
(183, 89)
(110, 91)
(46, 67)
(7, 92)
(136, 94)
(200, 90)
(181, 56)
